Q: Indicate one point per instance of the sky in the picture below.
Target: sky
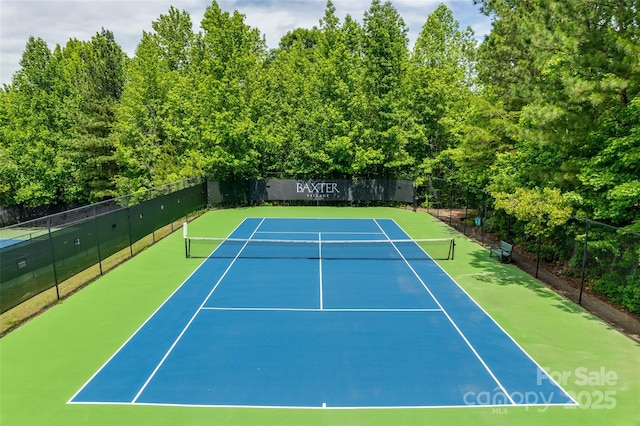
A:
(57, 21)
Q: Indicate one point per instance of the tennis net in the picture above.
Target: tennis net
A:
(405, 249)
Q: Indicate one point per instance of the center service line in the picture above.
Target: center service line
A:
(320, 268)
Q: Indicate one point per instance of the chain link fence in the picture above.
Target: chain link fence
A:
(589, 255)
(40, 254)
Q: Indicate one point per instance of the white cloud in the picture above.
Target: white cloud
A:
(57, 21)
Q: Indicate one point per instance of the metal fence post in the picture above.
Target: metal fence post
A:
(53, 258)
(584, 261)
(95, 221)
(451, 203)
(415, 196)
(484, 216)
(129, 226)
(466, 210)
(538, 255)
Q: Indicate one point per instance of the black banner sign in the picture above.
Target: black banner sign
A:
(332, 190)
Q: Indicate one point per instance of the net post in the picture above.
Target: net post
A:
(453, 248)
(186, 239)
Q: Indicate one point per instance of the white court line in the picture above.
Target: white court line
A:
(144, 323)
(252, 309)
(321, 407)
(316, 233)
(503, 330)
(320, 268)
(450, 319)
(186, 327)
(328, 310)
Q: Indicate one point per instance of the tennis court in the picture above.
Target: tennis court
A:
(321, 313)
(9, 237)
(49, 365)
(6, 242)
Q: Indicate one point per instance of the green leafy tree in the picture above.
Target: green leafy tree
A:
(315, 92)
(541, 210)
(295, 109)
(381, 149)
(340, 91)
(174, 35)
(149, 129)
(32, 169)
(438, 87)
(227, 64)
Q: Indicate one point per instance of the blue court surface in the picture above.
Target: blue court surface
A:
(8, 242)
(348, 326)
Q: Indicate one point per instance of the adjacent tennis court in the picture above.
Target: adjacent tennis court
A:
(321, 313)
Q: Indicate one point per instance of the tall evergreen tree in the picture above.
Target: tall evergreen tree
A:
(97, 89)
(569, 72)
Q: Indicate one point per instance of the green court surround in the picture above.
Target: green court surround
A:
(44, 362)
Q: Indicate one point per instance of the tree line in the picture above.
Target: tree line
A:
(544, 112)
